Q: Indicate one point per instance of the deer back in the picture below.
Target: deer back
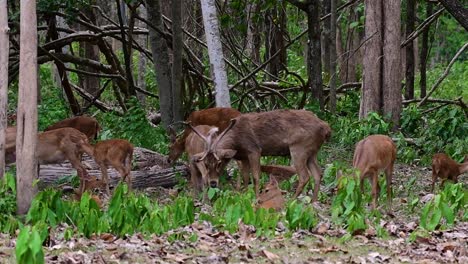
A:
(87, 125)
(375, 152)
(115, 152)
(444, 166)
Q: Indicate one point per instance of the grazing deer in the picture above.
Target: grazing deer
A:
(271, 197)
(373, 154)
(446, 168)
(217, 116)
(117, 153)
(295, 133)
(194, 145)
(87, 125)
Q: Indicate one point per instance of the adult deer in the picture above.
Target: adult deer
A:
(87, 125)
(373, 154)
(217, 116)
(446, 168)
(297, 133)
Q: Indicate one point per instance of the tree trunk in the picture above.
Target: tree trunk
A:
(425, 52)
(26, 139)
(372, 59)
(392, 102)
(215, 53)
(253, 35)
(333, 74)
(4, 52)
(142, 40)
(314, 62)
(159, 49)
(177, 50)
(326, 38)
(410, 65)
(457, 10)
(91, 51)
(126, 47)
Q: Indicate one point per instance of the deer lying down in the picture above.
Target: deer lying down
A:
(87, 125)
(446, 168)
(117, 153)
(297, 133)
(271, 197)
(373, 154)
(217, 117)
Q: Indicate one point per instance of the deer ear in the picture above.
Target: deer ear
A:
(273, 180)
(226, 153)
(197, 157)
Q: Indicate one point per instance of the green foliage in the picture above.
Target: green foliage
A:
(445, 206)
(300, 216)
(348, 205)
(351, 131)
(8, 222)
(29, 245)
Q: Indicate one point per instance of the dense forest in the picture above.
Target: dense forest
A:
(233, 131)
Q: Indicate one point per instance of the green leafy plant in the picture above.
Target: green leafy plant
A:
(8, 222)
(29, 245)
(300, 216)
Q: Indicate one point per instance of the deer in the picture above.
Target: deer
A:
(87, 125)
(117, 153)
(446, 168)
(217, 116)
(372, 155)
(295, 133)
(280, 172)
(272, 196)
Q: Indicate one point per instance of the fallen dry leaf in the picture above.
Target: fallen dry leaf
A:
(269, 255)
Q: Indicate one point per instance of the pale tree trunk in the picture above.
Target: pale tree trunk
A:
(253, 36)
(177, 49)
(4, 51)
(325, 38)
(215, 53)
(372, 59)
(26, 139)
(410, 65)
(159, 49)
(391, 61)
(333, 73)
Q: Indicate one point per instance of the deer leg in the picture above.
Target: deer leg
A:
(375, 188)
(314, 169)
(254, 162)
(105, 176)
(434, 178)
(73, 157)
(244, 166)
(196, 178)
(388, 178)
(299, 159)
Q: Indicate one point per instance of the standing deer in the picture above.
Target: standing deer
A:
(446, 168)
(373, 154)
(295, 133)
(217, 116)
(117, 153)
(87, 125)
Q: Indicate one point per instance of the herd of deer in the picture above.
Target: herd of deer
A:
(221, 134)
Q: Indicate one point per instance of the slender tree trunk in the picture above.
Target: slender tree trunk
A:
(326, 36)
(457, 10)
(142, 40)
(333, 72)
(392, 102)
(126, 48)
(314, 62)
(253, 35)
(26, 139)
(372, 60)
(410, 65)
(215, 53)
(4, 52)
(177, 50)
(91, 51)
(425, 52)
(159, 49)
(275, 23)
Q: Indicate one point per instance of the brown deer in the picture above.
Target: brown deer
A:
(280, 172)
(446, 168)
(373, 154)
(271, 197)
(194, 145)
(117, 153)
(295, 133)
(217, 116)
(87, 125)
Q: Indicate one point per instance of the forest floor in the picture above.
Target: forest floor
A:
(321, 245)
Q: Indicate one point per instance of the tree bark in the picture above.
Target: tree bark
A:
(457, 10)
(126, 48)
(91, 51)
(391, 61)
(275, 23)
(26, 139)
(253, 36)
(314, 62)
(159, 49)
(410, 65)
(326, 36)
(215, 53)
(425, 53)
(372, 59)
(4, 51)
(333, 73)
(177, 50)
